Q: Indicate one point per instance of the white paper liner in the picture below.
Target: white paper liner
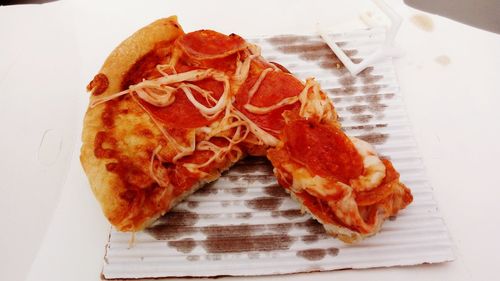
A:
(244, 224)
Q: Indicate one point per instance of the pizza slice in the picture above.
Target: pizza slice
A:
(170, 111)
(160, 122)
(339, 180)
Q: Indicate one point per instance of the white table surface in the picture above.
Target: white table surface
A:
(52, 225)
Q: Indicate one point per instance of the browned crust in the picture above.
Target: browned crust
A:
(107, 186)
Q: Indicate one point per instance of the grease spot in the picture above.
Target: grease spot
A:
(367, 76)
(374, 138)
(364, 118)
(275, 190)
(347, 90)
(378, 107)
(193, 204)
(312, 254)
(350, 53)
(207, 190)
(289, 214)
(238, 244)
(371, 89)
(315, 48)
(245, 215)
(332, 251)
(422, 21)
(360, 127)
(193, 258)
(236, 191)
(308, 239)
(243, 238)
(280, 227)
(287, 39)
(185, 245)
(264, 203)
(443, 60)
(357, 108)
(173, 225)
(311, 226)
(347, 80)
(373, 98)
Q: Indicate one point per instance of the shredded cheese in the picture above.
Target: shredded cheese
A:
(102, 99)
(131, 242)
(156, 96)
(267, 109)
(374, 169)
(152, 170)
(314, 104)
(161, 68)
(182, 150)
(242, 69)
(229, 123)
(266, 138)
(233, 126)
(221, 103)
(257, 83)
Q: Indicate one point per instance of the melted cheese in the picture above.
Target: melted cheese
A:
(314, 185)
(210, 112)
(314, 104)
(262, 135)
(374, 169)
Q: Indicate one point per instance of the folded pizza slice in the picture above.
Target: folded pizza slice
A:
(339, 180)
(160, 122)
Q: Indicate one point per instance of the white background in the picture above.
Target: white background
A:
(52, 228)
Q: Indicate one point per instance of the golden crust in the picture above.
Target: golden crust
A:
(123, 57)
(106, 186)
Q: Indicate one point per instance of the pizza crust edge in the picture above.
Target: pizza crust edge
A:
(107, 186)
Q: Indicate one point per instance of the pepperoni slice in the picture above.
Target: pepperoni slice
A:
(209, 44)
(275, 87)
(182, 113)
(324, 150)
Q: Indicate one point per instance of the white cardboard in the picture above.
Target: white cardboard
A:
(452, 107)
(39, 82)
(370, 107)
